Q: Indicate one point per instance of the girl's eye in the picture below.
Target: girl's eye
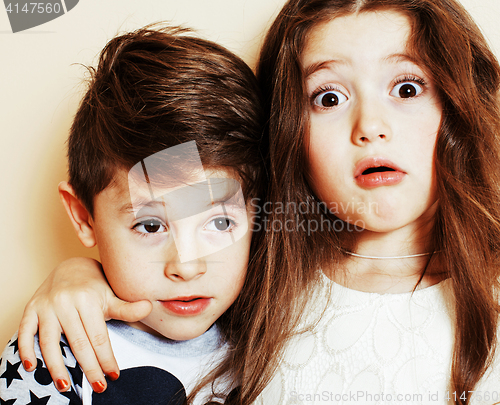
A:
(329, 98)
(220, 224)
(150, 226)
(406, 90)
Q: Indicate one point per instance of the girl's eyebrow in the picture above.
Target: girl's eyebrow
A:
(326, 64)
(400, 57)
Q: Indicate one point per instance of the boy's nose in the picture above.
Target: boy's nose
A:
(183, 264)
(176, 270)
(370, 122)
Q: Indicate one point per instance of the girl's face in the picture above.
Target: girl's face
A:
(374, 117)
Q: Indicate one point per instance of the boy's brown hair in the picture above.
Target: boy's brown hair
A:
(159, 87)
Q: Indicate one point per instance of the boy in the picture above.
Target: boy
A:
(165, 134)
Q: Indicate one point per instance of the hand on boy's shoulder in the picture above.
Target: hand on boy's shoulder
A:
(136, 386)
(20, 387)
(149, 376)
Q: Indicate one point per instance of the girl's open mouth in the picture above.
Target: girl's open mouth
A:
(377, 169)
(375, 172)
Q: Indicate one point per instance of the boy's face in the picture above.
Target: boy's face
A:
(191, 267)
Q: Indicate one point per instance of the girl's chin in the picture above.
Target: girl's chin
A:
(370, 225)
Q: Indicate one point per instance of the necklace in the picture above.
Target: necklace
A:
(387, 257)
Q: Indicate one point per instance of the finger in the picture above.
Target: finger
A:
(82, 350)
(49, 339)
(128, 311)
(26, 339)
(97, 332)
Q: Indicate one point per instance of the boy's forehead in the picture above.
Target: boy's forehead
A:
(176, 178)
(170, 168)
(192, 199)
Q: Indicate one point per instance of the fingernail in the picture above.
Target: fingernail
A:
(98, 387)
(62, 384)
(27, 364)
(113, 376)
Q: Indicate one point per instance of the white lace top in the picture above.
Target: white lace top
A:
(370, 348)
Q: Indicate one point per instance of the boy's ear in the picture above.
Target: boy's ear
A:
(78, 214)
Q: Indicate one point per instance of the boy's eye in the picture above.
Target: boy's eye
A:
(329, 98)
(406, 90)
(150, 226)
(220, 224)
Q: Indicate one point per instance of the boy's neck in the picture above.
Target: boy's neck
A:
(145, 328)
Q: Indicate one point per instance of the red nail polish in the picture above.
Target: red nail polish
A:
(98, 387)
(27, 364)
(113, 376)
(62, 384)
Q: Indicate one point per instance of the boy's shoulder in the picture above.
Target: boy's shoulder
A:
(19, 387)
(152, 369)
(165, 368)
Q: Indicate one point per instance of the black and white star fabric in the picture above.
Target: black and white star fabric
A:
(153, 371)
(11, 373)
(19, 387)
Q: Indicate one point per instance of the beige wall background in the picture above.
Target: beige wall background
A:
(40, 87)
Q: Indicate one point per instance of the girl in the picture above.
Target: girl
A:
(383, 115)
(397, 115)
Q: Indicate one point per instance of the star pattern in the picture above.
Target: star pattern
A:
(76, 375)
(141, 385)
(34, 400)
(11, 373)
(62, 345)
(40, 377)
(15, 345)
(73, 397)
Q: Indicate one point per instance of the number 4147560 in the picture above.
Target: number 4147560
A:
(39, 8)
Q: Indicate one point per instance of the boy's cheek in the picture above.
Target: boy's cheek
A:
(128, 288)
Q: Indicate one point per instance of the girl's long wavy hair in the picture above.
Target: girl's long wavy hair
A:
(448, 44)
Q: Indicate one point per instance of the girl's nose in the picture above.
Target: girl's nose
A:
(370, 122)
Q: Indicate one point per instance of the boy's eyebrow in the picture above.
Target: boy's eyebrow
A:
(223, 190)
(193, 199)
(129, 207)
(201, 197)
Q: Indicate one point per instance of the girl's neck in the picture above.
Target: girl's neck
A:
(396, 273)
(396, 276)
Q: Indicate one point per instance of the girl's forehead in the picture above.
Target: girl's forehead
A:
(360, 40)
(371, 32)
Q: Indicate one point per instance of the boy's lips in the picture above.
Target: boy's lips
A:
(192, 305)
(377, 171)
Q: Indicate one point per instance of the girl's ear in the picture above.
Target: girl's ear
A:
(78, 214)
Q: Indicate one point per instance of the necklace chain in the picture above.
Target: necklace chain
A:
(387, 257)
